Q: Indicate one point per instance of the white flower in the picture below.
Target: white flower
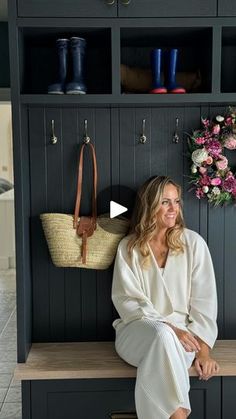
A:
(219, 118)
(194, 168)
(199, 156)
(216, 190)
(205, 189)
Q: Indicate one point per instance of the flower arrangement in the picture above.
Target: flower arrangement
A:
(210, 172)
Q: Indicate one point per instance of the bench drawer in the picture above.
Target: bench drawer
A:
(106, 399)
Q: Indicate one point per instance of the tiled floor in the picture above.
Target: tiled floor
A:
(10, 390)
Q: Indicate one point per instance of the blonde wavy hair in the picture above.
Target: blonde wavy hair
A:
(143, 221)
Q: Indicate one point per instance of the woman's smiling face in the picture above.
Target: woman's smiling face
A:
(170, 207)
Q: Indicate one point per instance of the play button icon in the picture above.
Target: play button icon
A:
(116, 209)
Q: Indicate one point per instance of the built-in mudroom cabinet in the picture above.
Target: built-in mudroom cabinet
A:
(74, 305)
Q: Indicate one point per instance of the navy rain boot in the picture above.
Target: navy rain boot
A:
(58, 87)
(77, 48)
(156, 72)
(172, 86)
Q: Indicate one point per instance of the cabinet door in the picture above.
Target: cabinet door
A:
(65, 8)
(226, 8)
(166, 8)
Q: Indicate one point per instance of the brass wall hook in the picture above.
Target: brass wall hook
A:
(86, 137)
(175, 138)
(143, 138)
(53, 136)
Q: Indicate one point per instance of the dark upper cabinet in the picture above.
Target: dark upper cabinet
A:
(126, 8)
(166, 8)
(226, 8)
(67, 8)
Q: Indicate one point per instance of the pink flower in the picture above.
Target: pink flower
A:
(200, 140)
(222, 164)
(229, 184)
(230, 142)
(209, 160)
(204, 180)
(229, 120)
(216, 129)
(202, 170)
(214, 148)
(199, 193)
(216, 181)
(205, 122)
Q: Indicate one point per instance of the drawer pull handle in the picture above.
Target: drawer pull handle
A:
(125, 2)
(110, 2)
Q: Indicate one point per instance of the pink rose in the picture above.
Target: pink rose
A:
(222, 164)
(229, 120)
(209, 160)
(230, 142)
(202, 170)
(204, 181)
(216, 181)
(216, 129)
(200, 140)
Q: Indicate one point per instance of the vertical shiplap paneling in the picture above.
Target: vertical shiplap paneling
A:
(142, 169)
(230, 273)
(175, 149)
(70, 135)
(217, 242)
(88, 300)
(158, 156)
(39, 253)
(104, 162)
(128, 144)
(54, 178)
(192, 119)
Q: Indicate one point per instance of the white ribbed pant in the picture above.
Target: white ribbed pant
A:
(162, 383)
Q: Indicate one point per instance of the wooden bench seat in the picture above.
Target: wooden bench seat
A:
(99, 360)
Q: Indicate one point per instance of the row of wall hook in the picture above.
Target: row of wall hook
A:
(175, 138)
(142, 138)
(54, 138)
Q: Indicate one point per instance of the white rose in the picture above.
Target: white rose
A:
(205, 189)
(198, 156)
(215, 190)
(220, 118)
(194, 168)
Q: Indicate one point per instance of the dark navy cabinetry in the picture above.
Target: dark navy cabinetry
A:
(63, 305)
(121, 8)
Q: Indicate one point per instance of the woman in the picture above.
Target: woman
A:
(164, 291)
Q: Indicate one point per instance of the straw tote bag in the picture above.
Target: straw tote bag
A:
(83, 242)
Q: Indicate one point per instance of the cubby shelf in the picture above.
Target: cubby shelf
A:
(204, 46)
(144, 99)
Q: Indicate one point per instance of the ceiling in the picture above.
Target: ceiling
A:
(3, 10)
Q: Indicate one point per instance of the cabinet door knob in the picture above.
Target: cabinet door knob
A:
(110, 2)
(125, 2)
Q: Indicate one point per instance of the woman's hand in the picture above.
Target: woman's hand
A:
(206, 367)
(188, 341)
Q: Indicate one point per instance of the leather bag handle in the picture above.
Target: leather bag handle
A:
(86, 225)
(79, 184)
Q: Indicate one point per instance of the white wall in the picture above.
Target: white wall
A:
(6, 155)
